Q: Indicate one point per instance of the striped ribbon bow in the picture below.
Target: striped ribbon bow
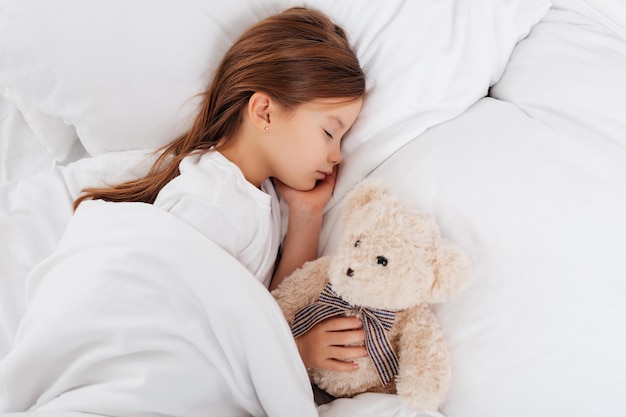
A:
(376, 324)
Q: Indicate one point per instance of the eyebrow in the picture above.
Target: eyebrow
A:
(338, 120)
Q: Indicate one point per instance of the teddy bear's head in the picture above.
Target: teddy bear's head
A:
(391, 254)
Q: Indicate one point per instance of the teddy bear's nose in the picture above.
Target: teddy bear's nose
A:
(349, 272)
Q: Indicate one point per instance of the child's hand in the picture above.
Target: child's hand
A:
(333, 344)
(314, 200)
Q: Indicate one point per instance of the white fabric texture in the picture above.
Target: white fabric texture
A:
(610, 14)
(530, 183)
(22, 154)
(540, 329)
(17, 140)
(34, 212)
(591, 98)
(370, 405)
(212, 195)
(137, 313)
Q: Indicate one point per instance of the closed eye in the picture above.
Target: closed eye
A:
(328, 134)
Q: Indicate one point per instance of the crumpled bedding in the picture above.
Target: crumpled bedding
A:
(136, 313)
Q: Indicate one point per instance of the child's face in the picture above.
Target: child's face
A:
(308, 140)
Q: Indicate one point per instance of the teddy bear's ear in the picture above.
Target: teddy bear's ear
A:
(452, 268)
(363, 193)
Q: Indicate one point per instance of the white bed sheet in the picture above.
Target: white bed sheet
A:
(540, 329)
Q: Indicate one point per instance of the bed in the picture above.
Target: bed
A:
(506, 119)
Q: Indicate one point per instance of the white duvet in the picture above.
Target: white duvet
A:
(137, 313)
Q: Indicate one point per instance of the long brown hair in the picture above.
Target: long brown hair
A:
(295, 56)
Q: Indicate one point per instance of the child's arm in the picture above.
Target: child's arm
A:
(326, 344)
(303, 229)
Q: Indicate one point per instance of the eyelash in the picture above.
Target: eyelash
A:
(328, 134)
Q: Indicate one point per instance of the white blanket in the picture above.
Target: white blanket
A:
(136, 313)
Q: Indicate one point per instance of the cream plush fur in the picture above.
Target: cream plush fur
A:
(421, 268)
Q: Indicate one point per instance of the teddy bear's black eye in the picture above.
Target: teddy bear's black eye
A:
(357, 243)
(381, 260)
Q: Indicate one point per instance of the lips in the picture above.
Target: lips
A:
(323, 174)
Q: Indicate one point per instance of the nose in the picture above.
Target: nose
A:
(335, 156)
(350, 272)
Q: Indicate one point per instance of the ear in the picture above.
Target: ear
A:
(363, 193)
(259, 109)
(452, 271)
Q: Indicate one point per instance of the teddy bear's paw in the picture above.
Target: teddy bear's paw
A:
(422, 405)
(422, 399)
(346, 384)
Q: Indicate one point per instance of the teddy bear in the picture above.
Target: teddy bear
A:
(390, 263)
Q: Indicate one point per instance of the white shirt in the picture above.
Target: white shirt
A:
(212, 195)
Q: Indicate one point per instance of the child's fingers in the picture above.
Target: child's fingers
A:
(347, 353)
(341, 366)
(346, 338)
(333, 344)
(339, 324)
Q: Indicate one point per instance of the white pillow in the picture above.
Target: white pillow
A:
(21, 154)
(609, 13)
(123, 75)
(540, 78)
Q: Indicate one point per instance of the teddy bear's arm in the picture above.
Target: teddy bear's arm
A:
(302, 287)
(424, 360)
